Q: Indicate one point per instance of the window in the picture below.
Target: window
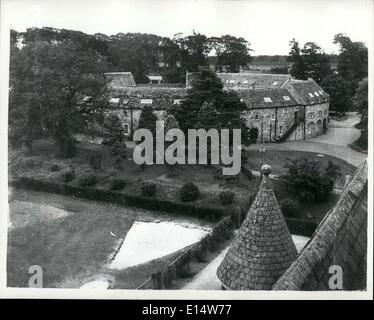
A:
(320, 92)
(280, 129)
(320, 113)
(177, 101)
(126, 129)
(241, 100)
(114, 100)
(273, 116)
(232, 81)
(267, 99)
(125, 101)
(275, 83)
(245, 81)
(311, 95)
(311, 115)
(126, 113)
(256, 116)
(325, 112)
(316, 94)
(287, 98)
(146, 101)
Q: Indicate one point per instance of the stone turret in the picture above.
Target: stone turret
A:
(263, 248)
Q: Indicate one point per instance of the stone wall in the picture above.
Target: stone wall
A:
(315, 116)
(340, 240)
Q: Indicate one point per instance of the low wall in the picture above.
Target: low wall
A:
(340, 240)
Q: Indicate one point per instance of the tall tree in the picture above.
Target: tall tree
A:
(58, 87)
(207, 91)
(352, 60)
(298, 68)
(337, 88)
(308, 62)
(232, 53)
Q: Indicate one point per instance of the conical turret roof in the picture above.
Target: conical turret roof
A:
(263, 248)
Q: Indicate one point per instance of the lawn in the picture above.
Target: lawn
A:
(75, 248)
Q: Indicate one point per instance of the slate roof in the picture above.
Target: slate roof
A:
(260, 98)
(162, 98)
(307, 91)
(263, 248)
(117, 80)
(248, 80)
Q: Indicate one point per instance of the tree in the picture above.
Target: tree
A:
(360, 101)
(298, 68)
(194, 50)
(337, 88)
(306, 180)
(148, 120)
(207, 116)
(308, 62)
(232, 53)
(59, 87)
(114, 136)
(352, 61)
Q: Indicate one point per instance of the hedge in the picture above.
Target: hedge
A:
(209, 213)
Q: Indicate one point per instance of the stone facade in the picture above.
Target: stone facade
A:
(278, 106)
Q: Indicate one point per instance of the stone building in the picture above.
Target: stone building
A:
(281, 108)
(263, 257)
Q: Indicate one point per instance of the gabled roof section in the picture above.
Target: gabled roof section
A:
(118, 80)
(263, 248)
(307, 91)
(267, 98)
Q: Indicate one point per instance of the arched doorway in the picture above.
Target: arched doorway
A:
(324, 125)
(319, 126)
(311, 128)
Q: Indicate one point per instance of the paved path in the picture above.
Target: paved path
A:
(207, 278)
(334, 143)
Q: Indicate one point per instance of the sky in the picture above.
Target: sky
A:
(268, 25)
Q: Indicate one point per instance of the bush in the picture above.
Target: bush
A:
(290, 208)
(88, 180)
(226, 197)
(55, 168)
(148, 189)
(189, 192)
(118, 184)
(67, 176)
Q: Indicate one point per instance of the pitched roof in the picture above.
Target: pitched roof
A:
(307, 91)
(267, 98)
(117, 80)
(244, 80)
(160, 98)
(263, 248)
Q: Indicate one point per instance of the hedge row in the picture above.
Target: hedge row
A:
(119, 198)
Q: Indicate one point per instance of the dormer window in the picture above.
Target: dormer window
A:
(114, 100)
(316, 94)
(267, 99)
(311, 95)
(232, 81)
(177, 101)
(256, 116)
(320, 92)
(245, 82)
(275, 83)
(146, 101)
(287, 98)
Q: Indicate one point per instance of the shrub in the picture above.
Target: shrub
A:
(118, 184)
(307, 180)
(226, 197)
(68, 176)
(290, 208)
(189, 192)
(88, 180)
(55, 168)
(148, 189)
